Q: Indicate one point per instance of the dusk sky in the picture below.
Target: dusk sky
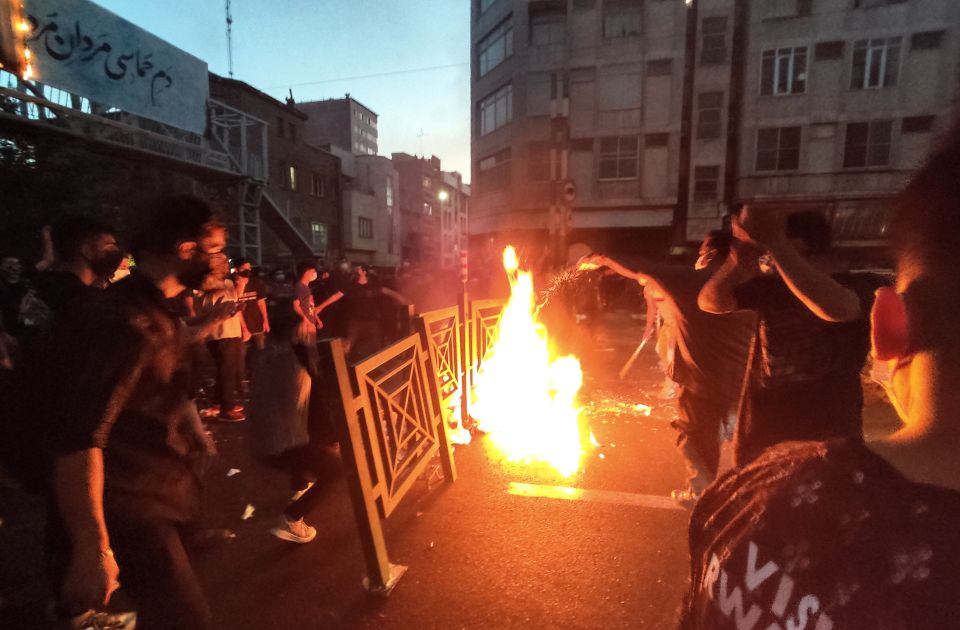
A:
(322, 48)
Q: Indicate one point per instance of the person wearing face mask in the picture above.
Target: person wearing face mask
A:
(125, 437)
(842, 533)
(84, 250)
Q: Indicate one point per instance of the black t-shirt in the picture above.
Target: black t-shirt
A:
(712, 350)
(804, 375)
(362, 301)
(823, 535)
(119, 388)
(250, 299)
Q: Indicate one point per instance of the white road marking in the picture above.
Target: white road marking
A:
(567, 493)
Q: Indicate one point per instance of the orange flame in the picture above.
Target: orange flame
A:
(525, 396)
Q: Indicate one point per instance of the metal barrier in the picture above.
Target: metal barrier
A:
(395, 409)
(391, 428)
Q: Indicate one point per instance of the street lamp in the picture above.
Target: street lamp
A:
(443, 195)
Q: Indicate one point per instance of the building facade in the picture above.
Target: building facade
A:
(371, 219)
(301, 204)
(342, 122)
(625, 123)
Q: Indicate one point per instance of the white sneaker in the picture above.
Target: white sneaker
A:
(294, 531)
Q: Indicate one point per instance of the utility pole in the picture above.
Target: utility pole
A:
(229, 38)
(686, 113)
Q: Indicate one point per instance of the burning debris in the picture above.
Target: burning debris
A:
(525, 395)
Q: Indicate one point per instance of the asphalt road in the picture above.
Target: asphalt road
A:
(489, 551)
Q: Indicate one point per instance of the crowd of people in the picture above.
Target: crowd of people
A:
(814, 527)
(110, 370)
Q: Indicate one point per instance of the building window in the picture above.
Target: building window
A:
(660, 67)
(622, 18)
(364, 227)
(871, 4)
(784, 71)
(713, 41)
(318, 236)
(293, 131)
(389, 195)
(709, 118)
(284, 175)
(926, 41)
(318, 186)
(548, 27)
(778, 149)
(867, 144)
(427, 182)
(493, 171)
(292, 178)
(495, 47)
(618, 157)
(496, 110)
(825, 51)
(917, 124)
(538, 161)
(486, 4)
(876, 63)
(280, 126)
(428, 209)
(706, 184)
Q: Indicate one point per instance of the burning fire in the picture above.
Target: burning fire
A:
(525, 397)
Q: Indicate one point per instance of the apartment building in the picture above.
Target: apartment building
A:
(301, 202)
(629, 124)
(343, 122)
(371, 219)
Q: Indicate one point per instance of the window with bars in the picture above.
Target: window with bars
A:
(784, 71)
(876, 63)
(706, 184)
(709, 115)
(496, 110)
(622, 18)
(364, 227)
(713, 41)
(868, 144)
(495, 47)
(493, 171)
(618, 157)
(778, 149)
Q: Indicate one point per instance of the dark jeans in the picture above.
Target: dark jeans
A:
(157, 575)
(699, 439)
(228, 357)
(320, 464)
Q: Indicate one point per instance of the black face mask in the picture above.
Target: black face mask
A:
(105, 265)
(244, 273)
(194, 272)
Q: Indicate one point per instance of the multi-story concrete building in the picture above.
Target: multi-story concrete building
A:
(622, 123)
(371, 220)
(454, 207)
(342, 122)
(433, 211)
(302, 203)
